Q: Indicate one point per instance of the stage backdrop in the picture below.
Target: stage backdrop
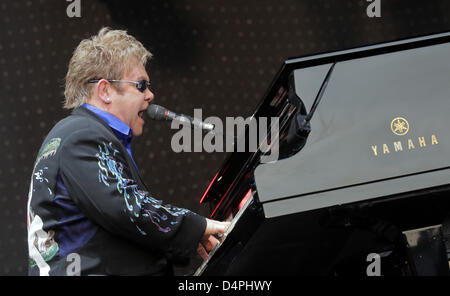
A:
(219, 56)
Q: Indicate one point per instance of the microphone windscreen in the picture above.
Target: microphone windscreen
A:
(156, 112)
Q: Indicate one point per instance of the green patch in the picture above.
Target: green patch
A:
(48, 254)
(49, 149)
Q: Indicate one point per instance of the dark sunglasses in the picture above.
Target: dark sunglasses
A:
(141, 85)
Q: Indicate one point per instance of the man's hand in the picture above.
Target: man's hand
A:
(208, 241)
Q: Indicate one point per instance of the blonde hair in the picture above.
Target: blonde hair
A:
(105, 55)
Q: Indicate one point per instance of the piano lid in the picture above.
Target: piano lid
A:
(383, 118)
(308, 80)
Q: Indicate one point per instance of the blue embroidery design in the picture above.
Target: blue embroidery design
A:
(135, 199)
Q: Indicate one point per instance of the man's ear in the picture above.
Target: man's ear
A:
(104, 91)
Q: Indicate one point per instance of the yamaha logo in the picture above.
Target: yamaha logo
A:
(399, 126)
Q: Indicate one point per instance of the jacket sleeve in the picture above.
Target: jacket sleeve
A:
(99, 181)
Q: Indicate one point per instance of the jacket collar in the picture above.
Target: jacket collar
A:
(81, 111)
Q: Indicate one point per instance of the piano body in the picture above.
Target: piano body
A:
(368, 177)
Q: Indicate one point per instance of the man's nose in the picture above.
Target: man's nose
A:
(150, 96)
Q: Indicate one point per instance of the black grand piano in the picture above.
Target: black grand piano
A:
(361, 185)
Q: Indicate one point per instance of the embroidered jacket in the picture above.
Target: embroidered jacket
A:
(104, 221)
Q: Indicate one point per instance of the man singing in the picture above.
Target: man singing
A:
(89, 211)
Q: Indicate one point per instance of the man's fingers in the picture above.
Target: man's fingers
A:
(202, 252)
(213, 226)
(209, 242)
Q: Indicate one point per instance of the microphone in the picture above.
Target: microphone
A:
(157, 112)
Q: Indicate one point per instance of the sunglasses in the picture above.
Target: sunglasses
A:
(141, 85)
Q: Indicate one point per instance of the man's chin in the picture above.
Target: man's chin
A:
(137, 130)
(137, 133)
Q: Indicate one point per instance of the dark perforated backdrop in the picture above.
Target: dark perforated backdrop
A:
(216, 55)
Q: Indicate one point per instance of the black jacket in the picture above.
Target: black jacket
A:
(106, 222)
